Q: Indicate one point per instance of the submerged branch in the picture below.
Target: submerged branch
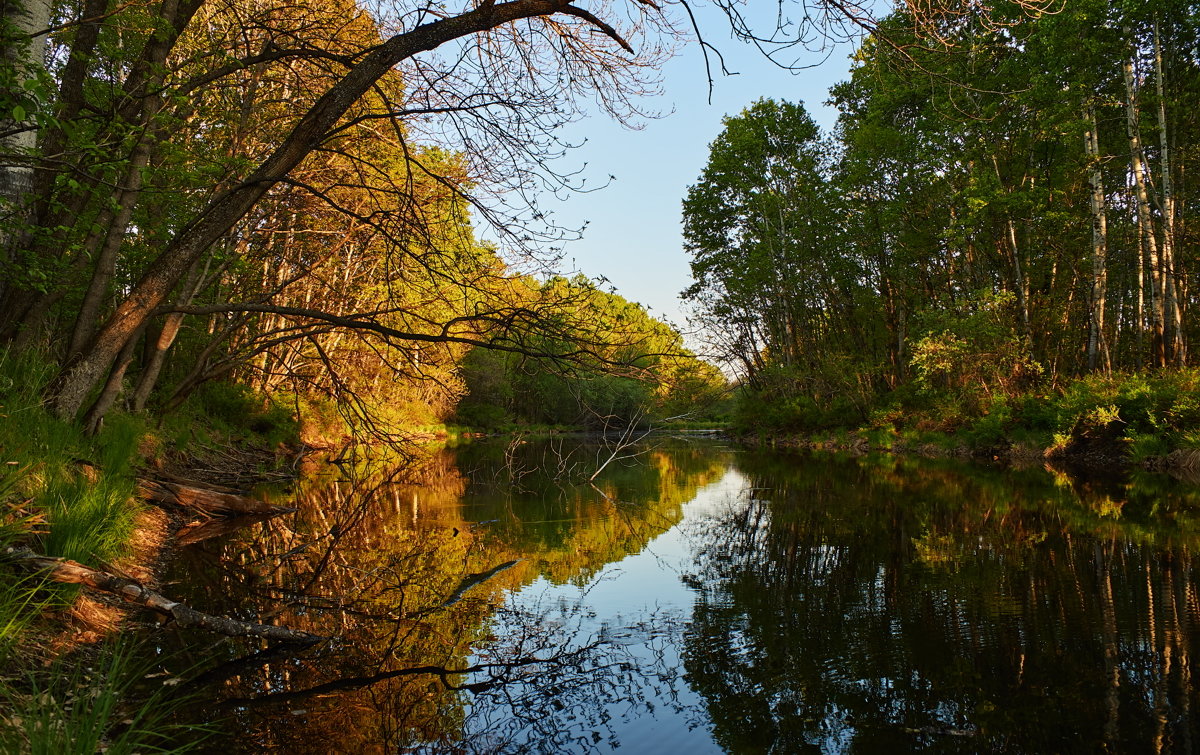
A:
(471, 580)
(72, 572)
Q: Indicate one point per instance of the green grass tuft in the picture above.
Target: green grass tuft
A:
(90, 708)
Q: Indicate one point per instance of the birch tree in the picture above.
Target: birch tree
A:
(23, 26)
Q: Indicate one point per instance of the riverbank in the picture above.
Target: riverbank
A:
(75, 497)
(1146, 420)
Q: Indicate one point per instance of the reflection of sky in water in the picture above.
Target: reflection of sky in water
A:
(795, 604)
(644, 590)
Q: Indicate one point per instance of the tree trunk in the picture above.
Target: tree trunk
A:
(1146, 235)
(70, 389)
(159, 341)
(113, 228)
(25, 53)
(137, 104)
(206, 502)
(112, 389)
(1176, 348)
(1098, 354)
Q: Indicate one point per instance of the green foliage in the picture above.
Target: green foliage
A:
(80, 707)
(1155, 413)
(20, 604)
(236, 412)
(77, 488)
(992, 428)
(784, 402)
(975, 350)
(966, 266)
(634, 369)
(774, 283)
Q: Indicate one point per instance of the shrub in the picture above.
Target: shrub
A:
(237, 410)
(975, 350)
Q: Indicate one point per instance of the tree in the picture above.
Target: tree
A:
(106, 253)
(762, 227)
(22, 38)
(659, 378)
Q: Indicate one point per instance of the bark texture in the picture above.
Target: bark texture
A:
(207, 502)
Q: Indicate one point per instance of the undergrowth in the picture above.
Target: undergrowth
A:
(93, 705)
(65, 494)
(1154, 412)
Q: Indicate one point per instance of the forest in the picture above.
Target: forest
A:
(188, 208)
(1003, 214)
(243, 240)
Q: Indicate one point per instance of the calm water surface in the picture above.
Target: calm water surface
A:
(696, 599)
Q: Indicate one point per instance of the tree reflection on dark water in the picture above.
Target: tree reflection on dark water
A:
(916, 606)
(699, 600)
(410, 578)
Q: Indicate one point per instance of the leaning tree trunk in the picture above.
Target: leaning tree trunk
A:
(159, 340)
(79, 377)
(106, 245)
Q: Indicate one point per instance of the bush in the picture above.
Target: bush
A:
(991, 429)
(238, 411)
(976, 351)
(481, 416)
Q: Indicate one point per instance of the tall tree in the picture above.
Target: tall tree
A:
(23, 26)
(761, 230)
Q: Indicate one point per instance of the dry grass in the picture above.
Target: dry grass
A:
(91, 619)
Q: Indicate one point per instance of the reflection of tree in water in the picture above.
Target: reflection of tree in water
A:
(570, 529)
(847, 608)
(412, 586)
(594, 678)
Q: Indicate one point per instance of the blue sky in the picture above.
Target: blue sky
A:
(633, 236)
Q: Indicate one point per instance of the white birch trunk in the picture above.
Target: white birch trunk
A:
(1149, 244)
(1097, 343)
(27, 53)
(1173, 311)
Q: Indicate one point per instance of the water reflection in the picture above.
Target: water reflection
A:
(698, 600)
(411, 581)
(892, 605)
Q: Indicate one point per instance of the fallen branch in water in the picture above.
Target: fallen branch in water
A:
(472, 580)
(63, 570)
(199, 531)
(208, 502)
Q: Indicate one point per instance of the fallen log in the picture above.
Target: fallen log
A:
(208, 502)
(63, 570)
(195, 483)
(196, 532)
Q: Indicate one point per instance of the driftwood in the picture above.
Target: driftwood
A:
(209, 502)
(166, 476)
(63, 570)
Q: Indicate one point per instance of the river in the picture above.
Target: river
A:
(696, 598)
